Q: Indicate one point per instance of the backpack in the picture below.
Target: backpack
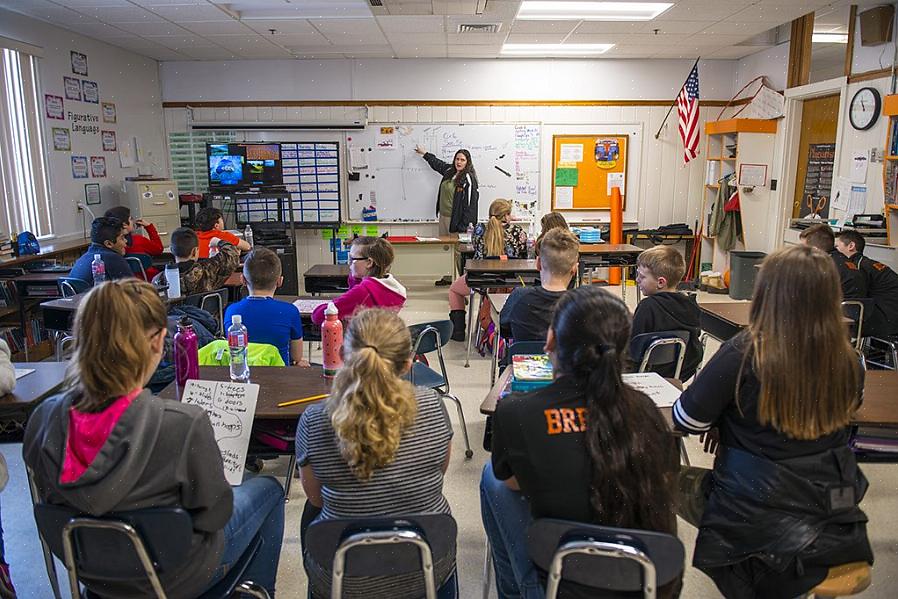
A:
(28, 244)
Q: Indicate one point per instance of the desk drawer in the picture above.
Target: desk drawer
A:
(158, 202)
(165, 226)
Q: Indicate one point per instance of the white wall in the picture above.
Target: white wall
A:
(128, 80)
(772, 62)
(440, 79)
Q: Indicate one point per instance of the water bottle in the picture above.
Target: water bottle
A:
(173, 279)
(187, 361)
(98, 269)
(531, 248)
(248, 235)
(238, 339)
(331, 341)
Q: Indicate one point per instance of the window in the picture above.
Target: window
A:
(23, 166)
(188, 158)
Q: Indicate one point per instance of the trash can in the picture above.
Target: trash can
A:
(743, 273)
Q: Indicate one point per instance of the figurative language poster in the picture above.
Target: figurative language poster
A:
(98, 166)
(62, 139)
(108, 109)
(55, 107)
(72, 88)
(79, 63)
(91, 91)
(79, 167)
(108, 141)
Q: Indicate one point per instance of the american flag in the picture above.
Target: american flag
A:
(687, 111)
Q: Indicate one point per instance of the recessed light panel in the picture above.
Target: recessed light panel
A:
(547, 10)
(555, 49)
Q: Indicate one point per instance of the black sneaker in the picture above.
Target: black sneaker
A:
(444, 282)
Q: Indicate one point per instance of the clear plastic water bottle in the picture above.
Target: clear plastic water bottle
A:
(248, 235)
(98, 269)
(531, 248)
(238, 339)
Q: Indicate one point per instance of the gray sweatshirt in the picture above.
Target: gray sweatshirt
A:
(159, 453)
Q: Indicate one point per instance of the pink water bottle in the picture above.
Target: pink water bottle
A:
(331, 341)
(187, 360)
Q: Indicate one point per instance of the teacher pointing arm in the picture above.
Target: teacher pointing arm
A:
(457, 195)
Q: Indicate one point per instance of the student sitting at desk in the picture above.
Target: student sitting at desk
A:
(781, 505)
(200, 276)
(497, 238)
(376, 447)
(658, 272)
(268, 320)
(210, 223)
(107, 445)
(586, 448)
(882, 285)
(107, 238)
(527, 313)
(370, 283)
(136, 243)
(854, 283)
(549, 221)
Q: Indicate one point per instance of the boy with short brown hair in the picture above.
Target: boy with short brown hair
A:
(854, 282)
(658, 272)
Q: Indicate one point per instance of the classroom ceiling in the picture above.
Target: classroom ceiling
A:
(305, 29)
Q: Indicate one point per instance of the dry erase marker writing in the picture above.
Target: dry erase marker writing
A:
(294, 402)
(503, 171)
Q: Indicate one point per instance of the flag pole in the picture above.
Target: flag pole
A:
(674, 103)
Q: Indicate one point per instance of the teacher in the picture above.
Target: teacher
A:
(457, 196)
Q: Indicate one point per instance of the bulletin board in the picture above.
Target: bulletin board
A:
(585, 168)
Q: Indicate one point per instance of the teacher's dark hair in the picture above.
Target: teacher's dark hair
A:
(633, 475)
(468, 170)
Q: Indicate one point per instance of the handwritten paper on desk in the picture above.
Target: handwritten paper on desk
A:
(307, 306)
(20, 372)
(655, 386)
(231, 408)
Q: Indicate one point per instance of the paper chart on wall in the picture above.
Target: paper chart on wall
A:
(231, 408)
(564, 197)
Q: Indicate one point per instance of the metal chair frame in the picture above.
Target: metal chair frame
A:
(442, 390)
(603, 549)
(135, 260)
(657, 343)
(858, 322)
(383, 537)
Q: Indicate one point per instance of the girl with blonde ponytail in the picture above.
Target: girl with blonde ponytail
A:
(377, 447)
(497, 238)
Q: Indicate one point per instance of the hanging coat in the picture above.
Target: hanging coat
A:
(725, 225)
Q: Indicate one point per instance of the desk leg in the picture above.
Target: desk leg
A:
(494, 315)
(623, 282)
(21, 292)
(470, 328)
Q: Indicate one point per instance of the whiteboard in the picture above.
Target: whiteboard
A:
(396, 184)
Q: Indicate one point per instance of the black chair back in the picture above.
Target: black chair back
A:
(666, 552)
(661, 354)
(526, 348)
(428, 336)
(69, 286)
(213, 302)
(325, 537)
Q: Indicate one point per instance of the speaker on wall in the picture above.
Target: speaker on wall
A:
(876, 25)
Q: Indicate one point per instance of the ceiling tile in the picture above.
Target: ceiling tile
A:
(263, 53)
(345, 26)
(732, 52)
(683, 11)
(177, 13)
(416, 39)
(167, 2)
(474, 52)
(420, 51)
(773, 14)
(608, 27)
(476, 39)
(209, 53)
(531, 38)
(298, 39)
(216, 27)
(282, 26)
(424, 24)
(84, 3)
(729, 27)
(152, 28)
(355, 38)
(409, 9)
(685, 27)
(119, 14)
(178, 42)
(646, 39)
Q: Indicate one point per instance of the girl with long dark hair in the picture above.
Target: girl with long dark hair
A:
(585, 448)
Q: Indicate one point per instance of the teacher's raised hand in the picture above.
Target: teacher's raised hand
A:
(420, 150)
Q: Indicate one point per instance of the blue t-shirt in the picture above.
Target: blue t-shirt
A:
(268, 320)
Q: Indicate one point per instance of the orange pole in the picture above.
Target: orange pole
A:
(616, 232)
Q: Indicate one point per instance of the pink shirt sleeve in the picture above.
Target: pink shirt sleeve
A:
(346, 304)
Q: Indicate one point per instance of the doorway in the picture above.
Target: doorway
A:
(816, 156)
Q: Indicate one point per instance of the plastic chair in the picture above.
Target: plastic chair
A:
(383, 547)
(601, 557)
(844, 580)
(662, 348)
(426, 338)
(212, 302)
(69, 286)
(854, 309)
(139, 264)
(130, 548)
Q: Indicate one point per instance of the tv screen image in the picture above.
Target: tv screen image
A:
(226, 170)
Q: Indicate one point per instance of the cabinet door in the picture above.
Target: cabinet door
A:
(158, 200)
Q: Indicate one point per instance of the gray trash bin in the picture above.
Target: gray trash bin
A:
(743, 273)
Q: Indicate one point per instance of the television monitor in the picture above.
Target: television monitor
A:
(237, 166)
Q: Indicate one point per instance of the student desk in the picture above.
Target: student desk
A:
(483, 275)
(30, 390)
(724, 320)
(605, 255)
(326, 278)
(423, 256)
(58, 313)
(880, 407)
(34, 286)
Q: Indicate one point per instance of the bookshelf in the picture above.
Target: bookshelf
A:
(890, 169)
(730, 144)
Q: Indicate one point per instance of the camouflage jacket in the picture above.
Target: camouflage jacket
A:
(208, 274)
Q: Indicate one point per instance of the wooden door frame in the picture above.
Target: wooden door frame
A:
(787, 145)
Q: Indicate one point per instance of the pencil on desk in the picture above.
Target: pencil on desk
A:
(294, 402)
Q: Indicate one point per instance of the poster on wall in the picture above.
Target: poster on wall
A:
(54, 106)
(92, 193)
(79, 167)
(108, 109)
(108, 141)
(91, 91)
(818, 181)
(62, 139)
(79, 63)
(97, 166)
(72, 88)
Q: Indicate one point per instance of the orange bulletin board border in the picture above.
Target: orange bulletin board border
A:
(591, 189)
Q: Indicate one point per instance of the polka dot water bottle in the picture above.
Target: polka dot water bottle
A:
(331, 341)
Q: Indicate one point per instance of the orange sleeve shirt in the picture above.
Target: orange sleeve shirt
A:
(205, 236)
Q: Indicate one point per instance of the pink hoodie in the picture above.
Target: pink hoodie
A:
(369, 292)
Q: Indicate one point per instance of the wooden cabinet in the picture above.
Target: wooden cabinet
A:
(731, 144)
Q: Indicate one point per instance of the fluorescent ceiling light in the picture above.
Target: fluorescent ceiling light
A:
(554, 49)
(278, 10)
(829, 38)
(543, 10)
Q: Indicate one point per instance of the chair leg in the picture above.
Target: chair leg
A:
(487, 570)
(469, 453)
(683, 453)
(470, 330)
(291, 472)
(251, 589)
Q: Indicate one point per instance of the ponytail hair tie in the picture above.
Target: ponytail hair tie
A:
(365, 345)
(603, 348)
